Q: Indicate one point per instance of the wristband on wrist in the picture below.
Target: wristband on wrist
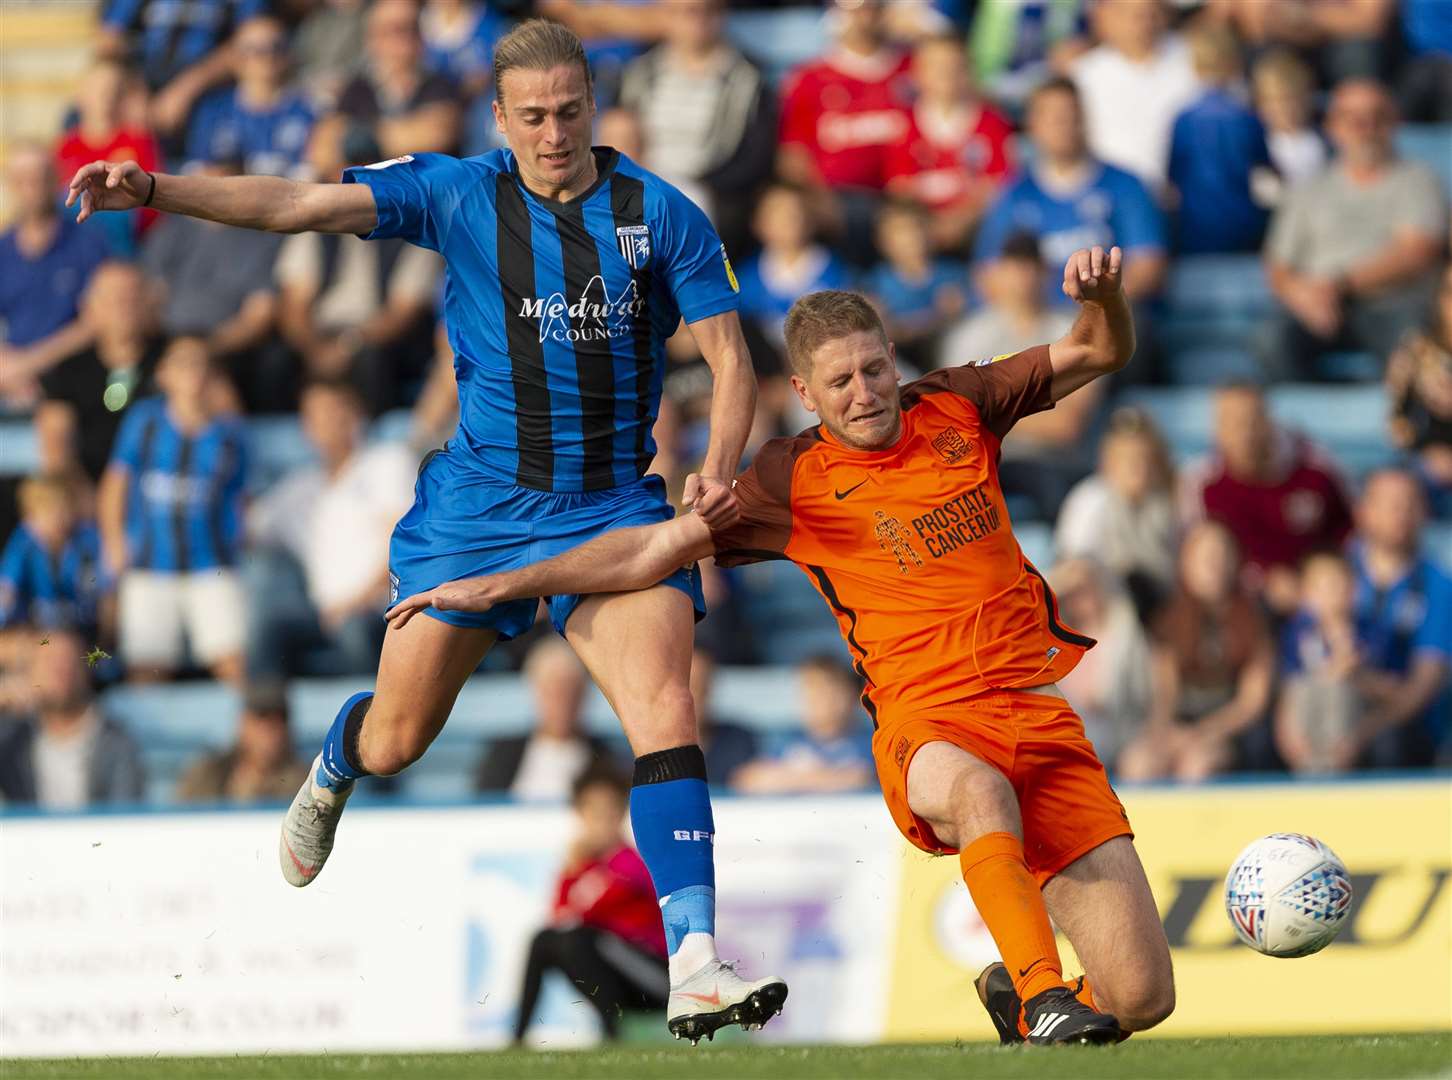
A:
(151, 193)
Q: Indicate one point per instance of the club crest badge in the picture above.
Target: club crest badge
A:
(634, 243)
(951, 446)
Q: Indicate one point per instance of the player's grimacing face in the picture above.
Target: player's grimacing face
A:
(852, 386)
(547, 118)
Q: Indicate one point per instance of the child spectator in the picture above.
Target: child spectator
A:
(108, 128)
(1320, 705)
(1014, 315)
(1214, 665)
(1124, 515)
(170, 509)
(1219, 164)
(605, 935)
(791, 262)
(957, 148)
(832, 752)
(1283, 88)
(261, 122)
(1419, 384)
(50, 572)
(917, 294)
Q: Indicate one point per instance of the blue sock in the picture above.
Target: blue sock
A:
(670, 813)
(340, 765)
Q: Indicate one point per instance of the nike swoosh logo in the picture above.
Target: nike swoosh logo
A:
(1026, 970)
(713, 999)
(843, 494)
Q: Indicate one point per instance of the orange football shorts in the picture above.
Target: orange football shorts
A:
(1037, 742)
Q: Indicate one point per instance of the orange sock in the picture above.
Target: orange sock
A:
(1012, 907)
(1082, 991)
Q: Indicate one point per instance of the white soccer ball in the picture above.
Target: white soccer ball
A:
(1287, 894)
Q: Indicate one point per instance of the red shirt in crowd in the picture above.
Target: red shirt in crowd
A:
(846, 111)
(614, 894)
(939, 167)
(1279, 522)
(126, 144)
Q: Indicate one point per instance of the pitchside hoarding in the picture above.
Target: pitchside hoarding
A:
(175, 933)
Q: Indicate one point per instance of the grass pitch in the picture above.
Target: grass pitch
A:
(1181, 1059)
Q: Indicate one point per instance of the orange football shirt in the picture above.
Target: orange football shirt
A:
(912, 547)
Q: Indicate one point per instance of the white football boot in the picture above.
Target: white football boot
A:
(308, 829)
(715, 997)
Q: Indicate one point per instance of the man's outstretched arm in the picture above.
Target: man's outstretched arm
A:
(618, 561)
(1101, 341)
(269, 203)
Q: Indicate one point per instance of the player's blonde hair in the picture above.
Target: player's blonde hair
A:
(820, 317)
(539, 45)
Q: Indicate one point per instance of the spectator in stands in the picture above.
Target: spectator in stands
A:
(48, 261)
(1017, 46)
(1012, 283)
(459, 38)
(50, 571)
(1425, 87)
(405, 107)
(103, 380)
(605, 933)
(1124, 515)
(325, 528)
(791, 262)
(328, 47)
(1419, 384)
(1320, 706)
(707, 113)
(1284, 86)
(1280, 496)
(355, 308)
(956, 151)
(727, 745)
(69, 754)
(1352, 254)
(180, 46)
(1404, 616)
(1070, 200)
(110, 127)
(58, 450)
(260, 766)
(832, 752)
(1213, 668)
(261, 121)
(170, 510)
(614, 32)
(1110, 687)
(1133, 84)
(839, 115)
(918, 295)
(1220, 166)
(541, 766)
(219, 286)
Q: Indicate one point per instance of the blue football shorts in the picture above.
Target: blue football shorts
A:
(464, 524)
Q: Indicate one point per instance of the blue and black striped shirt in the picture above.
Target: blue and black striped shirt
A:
(184, 502)
(51, 590)
(557, 312)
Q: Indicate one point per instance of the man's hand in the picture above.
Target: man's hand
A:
(469, 594)
(712, 500)
(108, 185)
(1316, 302)
(1091, 276)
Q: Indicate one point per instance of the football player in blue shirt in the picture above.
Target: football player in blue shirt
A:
(567, 268)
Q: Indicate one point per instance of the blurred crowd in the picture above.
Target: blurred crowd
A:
(227, 424)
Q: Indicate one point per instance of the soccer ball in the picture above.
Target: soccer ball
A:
(1287, 895)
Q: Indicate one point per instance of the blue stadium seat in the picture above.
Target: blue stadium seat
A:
(19, 453)
(777, 41)
(1431, 144)
(1182, 414)
(1213, 307)
(277, 447)
(1437, 542)
(1212, 365)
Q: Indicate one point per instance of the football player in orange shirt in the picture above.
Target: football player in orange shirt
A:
(892, 507)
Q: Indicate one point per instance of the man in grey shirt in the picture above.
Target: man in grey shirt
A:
(1352, 253)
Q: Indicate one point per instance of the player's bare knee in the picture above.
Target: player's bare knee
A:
(666, 719)
(389, 744)
(981, 802)
(1144, 1004)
